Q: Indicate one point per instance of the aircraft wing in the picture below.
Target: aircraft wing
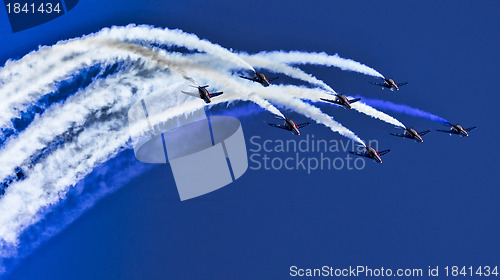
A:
(378, 84)
(448, 131)
(384, 152)
(401, 135)
(361, 154)
(402, 84)
(422, 133)
(470, 128)
(303, 124)
(354, 100)
(329, 100)
(251, 79)
(279, 126)
(216, 94)
(192, 94)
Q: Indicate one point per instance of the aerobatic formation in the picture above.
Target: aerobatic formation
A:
(64, 111)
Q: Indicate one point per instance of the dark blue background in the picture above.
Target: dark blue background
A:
(434, 203)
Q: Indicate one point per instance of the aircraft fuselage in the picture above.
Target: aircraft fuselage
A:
(344, 101)
(293, 126)
(374, 154)
(414, 134)
(460, 130)
(391, 84)
(262, 79)
(205, 95)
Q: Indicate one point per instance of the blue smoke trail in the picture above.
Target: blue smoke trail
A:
(104, 180)
(401, 108)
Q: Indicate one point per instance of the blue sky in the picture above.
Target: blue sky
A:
(431, 203)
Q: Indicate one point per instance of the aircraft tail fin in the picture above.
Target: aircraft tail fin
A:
(384, 152)
(422, 133)
(328, 100)
(397, 134)
(190, 93)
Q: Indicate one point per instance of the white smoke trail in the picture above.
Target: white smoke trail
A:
(258, 94)
(374, 113)
(8, 168)
(196, 61)
(233, 85)
(40, 61)
(312, 94)
(297, 57)
(62, 51)
(162, 58)
(145, 33)
(19, 97)
(140, 128)
(46, 58)
(66, 49)
(114, 93)
(95, 117)
(309, 111)
(105, 51)
(276, 67)
(105, 180)
(316, 94)
(53, 176)
(48, 179)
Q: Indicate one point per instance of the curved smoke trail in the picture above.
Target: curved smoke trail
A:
(285, 69)
(374, 113)
(296, 57)
(69, 139)
(146, 33)
(313, 94)
(404, 109)
(275, 94)
(299, 92)
(54, 61)
(316, 94)
(104, 180)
